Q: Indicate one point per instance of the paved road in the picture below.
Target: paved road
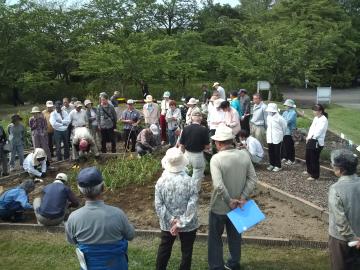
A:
(345, 97)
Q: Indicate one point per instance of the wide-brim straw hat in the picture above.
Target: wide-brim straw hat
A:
(35, 110)
(87, 102)
(290, 103)
(174, 160)
(216, 84)
(223, 133)
(192, 101)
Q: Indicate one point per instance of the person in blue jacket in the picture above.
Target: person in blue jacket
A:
(15, 201)
(288, 149)
(235, 103)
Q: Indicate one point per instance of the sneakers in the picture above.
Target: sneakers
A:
(310, 179)
(284, 160)
(276, 169)
(227, 267)
(270, 167)
(289, 162)
(305, 173)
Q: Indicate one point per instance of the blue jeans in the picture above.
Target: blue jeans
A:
(61, 137)
(13, 210)
(171, 137)
(215, 244)
(19, 150)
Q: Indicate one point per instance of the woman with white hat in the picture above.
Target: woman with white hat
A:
(288, 149)
(276, 128)
(38, 127)
(176, 199)
(151, 112)
(164, 108)
(191, 108)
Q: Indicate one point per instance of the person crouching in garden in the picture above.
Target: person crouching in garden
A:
(83, 143)
(344, 214)
(100, 231)
(16, 132)
(176, 199)
(15, 201)
(315, 141)
(288, 148)
(57, 197)
(35, 163)
(148, 140)
(276, 128)
(173, 119)
(252, 145)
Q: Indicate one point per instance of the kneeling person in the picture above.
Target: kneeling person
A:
(50, 210)
(35, 163)
(147, 140)
(83, 142)
(252, 145)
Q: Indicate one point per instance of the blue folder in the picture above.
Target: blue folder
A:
(246, 217)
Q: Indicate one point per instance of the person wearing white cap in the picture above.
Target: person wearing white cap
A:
(78, 117)
(151, 111)
(288, 148)
(176, 202)
(164, 108)
(220, 89)
(258, 123)
(276, 128)
(50, 209)
(93, 124)
(234, 179)
(131, 119)
(148, 140)
(215, 117)
(50, 130)
(173, 119)
(191, 108)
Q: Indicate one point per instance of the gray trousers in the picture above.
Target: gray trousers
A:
(215, 244)
(259, 132)
(19, 151)
(61, 137)
(41, 141)
(43, 220)
(343, 257)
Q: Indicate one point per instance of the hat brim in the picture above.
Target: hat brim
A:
(35, 112)
(154, 133)
(174, 169)
(222, 139)
(50, 106)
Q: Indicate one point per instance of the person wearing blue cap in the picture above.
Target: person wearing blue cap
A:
(100, 231)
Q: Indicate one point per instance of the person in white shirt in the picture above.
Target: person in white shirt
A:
(252, 145)
(83, 143)
(220, 89)
(164, 108)
(276, 128)
(173, 119)
(60, 121)
(78, 117)
(315, 142)
(151, 112)
(191, 108)
(35, 163)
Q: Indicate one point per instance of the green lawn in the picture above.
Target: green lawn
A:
(30, 250)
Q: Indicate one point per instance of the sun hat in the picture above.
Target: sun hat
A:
(154, 129)
(83, 145)
(192, 101)
(28, 185)
(215, 84)
(62, 177)
(89, 177)
(223, 133)
(35, 110)
(39, 153)
(174, 160)
(49, 104)
(217, 102)
(87, 102)
(290, 103)
(116, 93)
(149, 99)
(166, 94)
(271, 107)
(130, 101)
(78, 104)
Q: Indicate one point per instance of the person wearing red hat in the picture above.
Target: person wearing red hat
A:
(83, 143)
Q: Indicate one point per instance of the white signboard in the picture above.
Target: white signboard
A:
(323, 94)
(263, 85)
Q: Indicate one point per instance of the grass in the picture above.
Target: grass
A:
(25, 250)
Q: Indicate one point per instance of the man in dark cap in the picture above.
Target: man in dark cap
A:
(15, 201)
(97, 228)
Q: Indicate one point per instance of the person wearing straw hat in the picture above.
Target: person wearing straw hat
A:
(93, 125)
(344, 214)
(220, 89)
(191, 104)
(38, 127)
(15, 201)
(50, 130)
(16, 131)
(176, 202)
(234, 179)
(276, 128)
(288, 148)
(50, 209)
(148, 140)
(164, 108)
(151, 112)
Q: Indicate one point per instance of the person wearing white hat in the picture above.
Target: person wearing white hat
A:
(288, 148)
(50, 130)
(215, 117)
(191, 104)
(35, 163)
(50, 209)
(92, 122)
(148, 140)
(78, 117)
(176, 200)
(234, 179)
(151, 111)
(173, 119)
(131, 119)
(220, 89)
(276, 128)
(164, 106)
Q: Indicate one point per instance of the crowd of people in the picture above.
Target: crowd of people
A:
(233, 132)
